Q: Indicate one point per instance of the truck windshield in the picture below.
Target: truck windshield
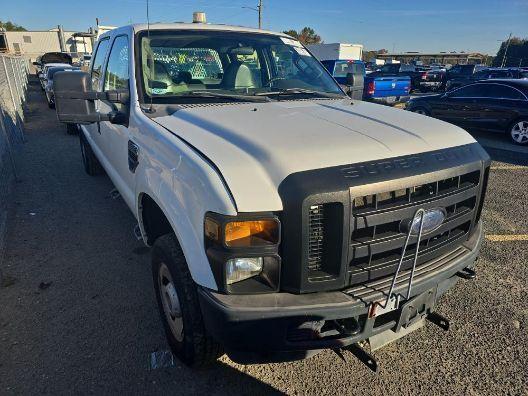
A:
(177, 65)
(390, 68)
(342, 68)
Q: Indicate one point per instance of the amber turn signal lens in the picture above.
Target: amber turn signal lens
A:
(251, 233)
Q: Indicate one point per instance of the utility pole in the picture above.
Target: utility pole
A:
(506, 51)
(259, 10)
(260, 13)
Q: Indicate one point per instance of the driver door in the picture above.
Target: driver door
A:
(117, 137)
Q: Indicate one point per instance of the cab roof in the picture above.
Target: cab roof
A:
(188, 26)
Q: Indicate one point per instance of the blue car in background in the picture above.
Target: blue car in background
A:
(351, 75)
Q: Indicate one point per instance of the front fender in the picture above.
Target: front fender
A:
(185, 186)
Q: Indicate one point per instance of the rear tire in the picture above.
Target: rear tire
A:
(519, 132)
(72, 129)
(179, 306)
(90, 162)
(422, 111)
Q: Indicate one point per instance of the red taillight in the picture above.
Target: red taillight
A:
(424, 76)
(371, 88)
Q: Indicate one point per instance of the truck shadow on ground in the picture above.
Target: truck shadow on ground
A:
(499, 148)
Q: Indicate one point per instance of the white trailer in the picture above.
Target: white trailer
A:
(336, 51)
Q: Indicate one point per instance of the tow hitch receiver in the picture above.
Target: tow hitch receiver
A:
(364, 357)
(438, 320)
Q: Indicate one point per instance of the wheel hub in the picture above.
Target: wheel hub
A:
(520, 132)
(170, 302)
(173, 303)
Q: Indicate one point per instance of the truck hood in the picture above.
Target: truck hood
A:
(255, 146)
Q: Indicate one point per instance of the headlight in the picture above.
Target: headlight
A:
(239, 269)
(238, 234)
(243, 251)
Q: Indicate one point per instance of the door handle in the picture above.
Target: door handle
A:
(133, 156)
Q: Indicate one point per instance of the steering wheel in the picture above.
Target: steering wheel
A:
(273, 80)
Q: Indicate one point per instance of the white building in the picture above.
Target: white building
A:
(35, 43)
(335, 51)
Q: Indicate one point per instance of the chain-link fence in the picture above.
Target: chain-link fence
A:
(13, 90)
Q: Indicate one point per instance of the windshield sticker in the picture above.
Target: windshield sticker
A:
(301, 51)
(291, 42)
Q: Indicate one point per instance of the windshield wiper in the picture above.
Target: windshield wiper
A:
(209, 94)
(302, 91)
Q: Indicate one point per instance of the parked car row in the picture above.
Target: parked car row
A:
(498, 105)
(351, 75)
(47, 82)
(485, 74)
(47, 66)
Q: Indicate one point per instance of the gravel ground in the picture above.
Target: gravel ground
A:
(78, 311)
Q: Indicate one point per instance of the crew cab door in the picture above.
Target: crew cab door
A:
(117, 142)
(93, 131)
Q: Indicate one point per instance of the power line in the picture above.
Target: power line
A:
(506, 51)
(259, 10)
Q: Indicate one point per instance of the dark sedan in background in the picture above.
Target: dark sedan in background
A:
(486, 74)
(491, 105)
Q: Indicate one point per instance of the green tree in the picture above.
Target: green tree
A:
(306, 35)
(517, 54)
(11, 27)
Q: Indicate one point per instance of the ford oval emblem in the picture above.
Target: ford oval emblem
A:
(432, 220)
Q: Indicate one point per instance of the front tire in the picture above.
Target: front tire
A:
(179, 306)
(90, 162)
(421, 110)
(519, 132)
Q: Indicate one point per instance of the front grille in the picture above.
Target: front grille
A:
(315, 237)
(341, 225)
(377, 240)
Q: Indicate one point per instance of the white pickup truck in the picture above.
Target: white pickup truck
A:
(284, 217)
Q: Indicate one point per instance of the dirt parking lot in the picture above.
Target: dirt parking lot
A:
(78, 312)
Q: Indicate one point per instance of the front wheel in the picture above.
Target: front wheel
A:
(421, 110)
(179, 307)
(519, 132)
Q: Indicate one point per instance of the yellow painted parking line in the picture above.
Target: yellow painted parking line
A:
(509, 167)
(507, 238)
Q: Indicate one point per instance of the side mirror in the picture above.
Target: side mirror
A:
(69, 89)
(75, 99)
(36, 63)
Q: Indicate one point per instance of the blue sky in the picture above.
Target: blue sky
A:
(405, 25)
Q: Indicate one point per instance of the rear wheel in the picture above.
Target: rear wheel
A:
(72, 129)
(179, 307)
(519, 132)
(90, 162)
(421, 110)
